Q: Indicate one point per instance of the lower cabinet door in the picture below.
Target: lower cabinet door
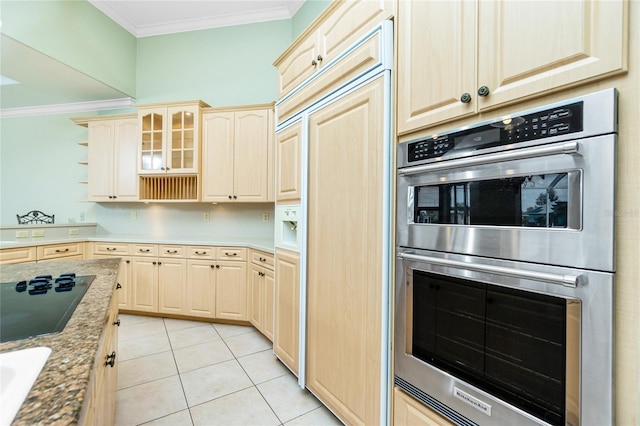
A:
(255, 293)
(231, 291)
(201, 288)
(268, 303)
(144, 284)
(408, 411)
(172, 291)
(287, 308)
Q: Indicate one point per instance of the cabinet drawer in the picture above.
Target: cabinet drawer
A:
(201, 252)
(65, 258)
(17, 255)
(150, 250)
(364, 57)
(173, 251)
(111, 248)
(231, 253)
(60, 250)
(261, 258)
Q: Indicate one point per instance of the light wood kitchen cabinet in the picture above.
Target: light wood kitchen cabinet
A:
(238, 154)
(231, 291)
(408, 411)
(144, 284)
(169, 141)
(288, 164)
(201, 288)
(336, 29)
(18, 255)
(344, 298)
(112, 153)
(440, 78)
(101, 395)
(68, 251)
(121, 250)
(287, 308)
(261, 289)
(172, 289)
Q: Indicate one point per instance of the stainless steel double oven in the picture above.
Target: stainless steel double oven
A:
(505, 267)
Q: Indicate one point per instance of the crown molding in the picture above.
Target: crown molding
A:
(200, 23)
(108, 104)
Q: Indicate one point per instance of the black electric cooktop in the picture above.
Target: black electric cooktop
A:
(40, 305)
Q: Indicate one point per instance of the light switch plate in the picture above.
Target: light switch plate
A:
(22, 234)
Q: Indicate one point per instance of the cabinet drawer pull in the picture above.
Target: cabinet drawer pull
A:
(230, 254)
(62, 251)
(111, 360)
(111, 249)
(200, 253)
(144, 250)
(172, 251)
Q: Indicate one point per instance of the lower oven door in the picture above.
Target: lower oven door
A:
(493, 342)
(550, 204)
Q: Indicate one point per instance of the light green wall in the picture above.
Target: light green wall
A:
(307, 13)
(77, 34)
(40, 170)
(222, 66)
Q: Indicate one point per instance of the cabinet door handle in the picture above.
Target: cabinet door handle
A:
(144, 250)
(217, 266)
(62, 250)
(159, 263)
(465, 98)
(127, 261)
(313, 63)
(235, 197)
(319, 58)
(483, 91)
(117, 323)
(230, 197)
(111, 249)
(154, 263)
(213, 266)
(172, 251)
(230, 254)
(162, 168)
(111, 360)
(118, 286)
(115, 196)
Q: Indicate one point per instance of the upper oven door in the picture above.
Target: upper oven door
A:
(550, 204)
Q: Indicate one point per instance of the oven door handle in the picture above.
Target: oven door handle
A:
(565, 280)
(519, 154)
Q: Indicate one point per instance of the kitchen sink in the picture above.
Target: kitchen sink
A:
(18, 372)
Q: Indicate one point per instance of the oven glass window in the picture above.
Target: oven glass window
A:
(510, 343)
(526, 201)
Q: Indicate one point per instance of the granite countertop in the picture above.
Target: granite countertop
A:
(58, 393)
(262, 244)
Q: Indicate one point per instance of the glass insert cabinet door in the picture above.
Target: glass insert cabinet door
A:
(169, 140)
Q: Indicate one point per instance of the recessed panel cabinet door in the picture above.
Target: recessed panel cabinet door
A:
(201, 288)
(287, 308)
(217, 154)
(436, 62)
(529, 47)
(144, 284)
(231, 291)
(288, 158)
(251, 154)
(344, 275)
(125, 166)
(172, 291)
(100, 159)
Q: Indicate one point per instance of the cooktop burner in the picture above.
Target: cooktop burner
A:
(40, 305)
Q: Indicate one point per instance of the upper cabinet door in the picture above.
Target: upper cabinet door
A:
(251, 153)
(298, 65)
(528, 47)
(151, 123)
(181, 153)
(436, 62)
(288, 158)
(125, 167)
(217, 152)
(100, 159)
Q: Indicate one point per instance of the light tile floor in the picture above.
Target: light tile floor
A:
(176, 372)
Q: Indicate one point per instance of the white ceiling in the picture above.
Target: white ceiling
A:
(144, 18)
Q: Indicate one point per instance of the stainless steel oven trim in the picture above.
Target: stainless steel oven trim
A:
(600, 116)
(595, 393)
(590, 248)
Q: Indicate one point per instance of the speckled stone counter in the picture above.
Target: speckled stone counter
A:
(57, 396)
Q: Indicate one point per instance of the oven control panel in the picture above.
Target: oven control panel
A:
(521, 128)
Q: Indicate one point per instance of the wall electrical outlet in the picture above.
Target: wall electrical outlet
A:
(134, 215)
(265, 217)
(206, 217)
(37, 233)
(74, 231)
(22, 234)
(81, 216)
